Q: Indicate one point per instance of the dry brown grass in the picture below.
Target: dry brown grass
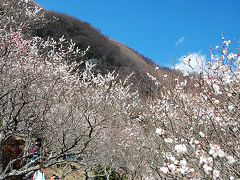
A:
(76, 175)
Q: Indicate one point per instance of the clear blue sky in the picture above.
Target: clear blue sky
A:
(158, 29)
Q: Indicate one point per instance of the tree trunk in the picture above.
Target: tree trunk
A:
(1, 159)
(2, 136)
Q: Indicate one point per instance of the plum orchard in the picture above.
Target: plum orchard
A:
(43, 95)
(190, 133)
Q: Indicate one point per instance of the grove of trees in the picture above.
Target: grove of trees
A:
(188, 130)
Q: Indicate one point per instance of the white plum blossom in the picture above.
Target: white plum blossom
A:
(168, 140)
(227, 78)
(231, 159)
(186, 60)
(172, 168)
(224, 53)
(230, 107)
(164, 170)
(201, 134)
(206, 160)
(172, 158)
(194, 142)
(216, 174)
(218, 118)
(227, 42)
(210, 160)
(183, 162)
(216, 151)
(181, 148)
(207, 169)
(216, 101)
(159, 131)
(232, 56)
(203, 160)
(217, 89)
(185, 73)
(183, 169)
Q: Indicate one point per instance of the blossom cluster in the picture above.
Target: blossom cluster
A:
(197, 120)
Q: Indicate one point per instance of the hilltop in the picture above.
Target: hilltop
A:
(106, 53)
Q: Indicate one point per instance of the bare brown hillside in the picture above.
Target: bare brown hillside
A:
(110, 54)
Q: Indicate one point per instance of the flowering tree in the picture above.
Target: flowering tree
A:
(197, 129)
(32, 72)
(44, 95)
(189, 129)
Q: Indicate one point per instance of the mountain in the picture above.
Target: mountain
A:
(107, 53)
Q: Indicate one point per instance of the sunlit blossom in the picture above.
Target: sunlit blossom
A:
(230, 159)
(181, 148)
(183, 162)
(201, 134)
(168, 140)
(207, 169)
(216, 174)
(172, 168)
(164, 170)
(187, 59)
(159, 131)
(215, 151)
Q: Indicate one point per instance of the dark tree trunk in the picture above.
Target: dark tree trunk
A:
(1, 159)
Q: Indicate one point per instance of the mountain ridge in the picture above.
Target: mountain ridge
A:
(112, 55)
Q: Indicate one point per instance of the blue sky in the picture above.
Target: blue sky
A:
(158, 29)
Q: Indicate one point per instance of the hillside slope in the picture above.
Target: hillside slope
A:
(109, 54)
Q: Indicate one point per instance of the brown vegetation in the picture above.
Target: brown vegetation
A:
(112, 55)
(13, 148)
